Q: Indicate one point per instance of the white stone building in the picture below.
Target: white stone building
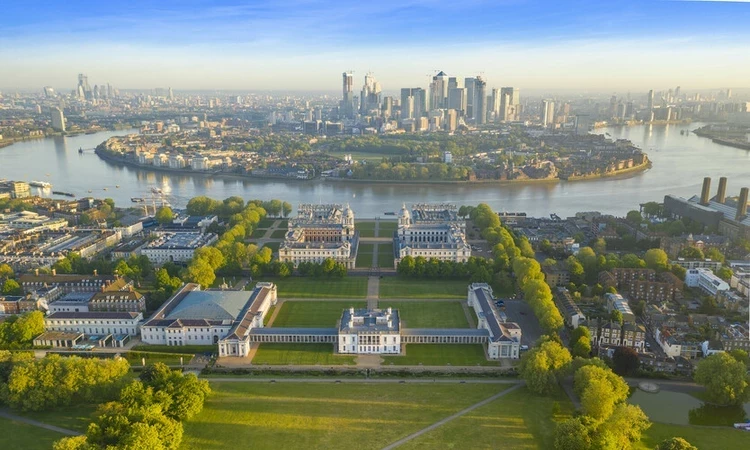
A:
(505, 337)
(363, 331)
(94, 323)
(706, 280)
(196, 317)
(320, 232)
(431, 231)
(176, 247)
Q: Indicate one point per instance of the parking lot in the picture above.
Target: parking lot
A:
(520, 312)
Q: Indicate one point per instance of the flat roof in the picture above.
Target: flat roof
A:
(470, 332)
(93, 315)
(273, 331)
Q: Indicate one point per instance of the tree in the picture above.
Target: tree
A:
(6, 271)
(286, 209)
(200, 271)
(714, 254)
(599, 390)
(11, 287)
(725, 273)
(634, 217)
(679, 271)
(616, 316)
(624, 426)
(725, 379)
(541, 365)
(741, 356)
(691, 252)
(675, 443)
(581, 347)
(573, 434)
(164, 215)
(211, 255)
(656, 259)
(625, 361)
(599, 246)
(575, 268)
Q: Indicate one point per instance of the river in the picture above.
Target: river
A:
(680, 161)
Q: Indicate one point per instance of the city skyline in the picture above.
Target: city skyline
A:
(633, 45)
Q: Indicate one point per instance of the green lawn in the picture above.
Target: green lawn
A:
(258, 233)
(300, 354)
(308, 287)
(75, 418)
(366, 229)
(429, 314)
(171, 359)
(323, 415)
(313, 314)
(364, 255)
(441, 355)
(385, 255)
(387, 228)
(395, 287)
(701, 437)
(17, 435)
(274, 246)
(278, 234)
(520, 420)
(266, 223)
(269, 314)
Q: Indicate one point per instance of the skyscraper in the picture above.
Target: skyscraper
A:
(439, 91)
(547, 113)
(347, 103)
(510, 104)
(58, 120)
(84, 90)
(370, 97)
(457, 100)
(469, 84)
(494, 105)
(480, 101)
(650, 99)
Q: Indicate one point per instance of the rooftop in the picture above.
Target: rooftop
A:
(211, 305)
(370, 321)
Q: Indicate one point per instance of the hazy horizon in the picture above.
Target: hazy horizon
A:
(305, 45)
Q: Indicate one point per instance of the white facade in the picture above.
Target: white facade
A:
(706, 280)
(505, 337)
(94, 323)
(370, 332)
(431, 231)
(176, 247)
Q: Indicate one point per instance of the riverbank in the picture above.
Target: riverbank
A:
(723, 140)
(618, 174)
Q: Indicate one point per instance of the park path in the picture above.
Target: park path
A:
(454, 416)
(373, 291)
(4, 413)
(374, 256)
(344, 379)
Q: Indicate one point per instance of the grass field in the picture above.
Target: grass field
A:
(705, 438)
(269, 314)
(429, 314)
(323, 416)
(386, 229)
(17, 435)
(441, 355)
(366, 229)
(364, 255)
(520, 420)
(258, 233)
(300, 354)
(385, 255)
(394, 287)
(75, 418)
(266, 223)
(278, 234)
(303, 287)
(274, 246)
(312, 314)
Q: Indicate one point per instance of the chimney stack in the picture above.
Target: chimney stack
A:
(706, 190)
(54, 272)
(742, 204)
(721, 194)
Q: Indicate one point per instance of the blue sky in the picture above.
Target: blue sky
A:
(306, 44)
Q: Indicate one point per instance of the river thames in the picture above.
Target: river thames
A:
(680, 161)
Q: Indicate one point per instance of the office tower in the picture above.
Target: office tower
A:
(370, 97)
(58, 120)
(49, 92)
(451, 120)
(510, 104)
(318, 113)
(457, 100)
(621, 111)
(439, 91)
(677, 93)
(170, 94)
(469, 84)
(347, 103)
(547, 113)
(388, 107)
(583, 124)
(494, 104)
(413, 103)
(84, 90)
(454, 83)
(651, 99)
(480, 101)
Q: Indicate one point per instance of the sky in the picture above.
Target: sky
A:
(594, 45)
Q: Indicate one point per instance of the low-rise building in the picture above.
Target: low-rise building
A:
(570, 311)
(94, 323)
(363, 331)
(433, 231)
(176, 247)
(17, 304)
(504, 337)
(706, 281)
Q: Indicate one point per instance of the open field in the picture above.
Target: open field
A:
(366, 229)
(312, 314)
(705, 438)
(17, 435)
(278, 234)
(300, 354)
(441, 355)
(519, 420)
(75, 418)
(307, 287)
(364, 255)
(269, 314)
(274, 246)
(385, 255)
(266, 223)
(429, 314)
(324, 416)
(395, 287)
(387, 228)
(258, 233)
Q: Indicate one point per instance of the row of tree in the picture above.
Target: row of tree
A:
(328, 268)
(148, 414)
(204, 206)
(53, 381)
(18, 332)
(477, 270)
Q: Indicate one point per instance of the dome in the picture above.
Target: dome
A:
(405, 212)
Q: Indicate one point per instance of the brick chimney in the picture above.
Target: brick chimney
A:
(54, 272)
(706, 191)
(721, 194)
(742, 204)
